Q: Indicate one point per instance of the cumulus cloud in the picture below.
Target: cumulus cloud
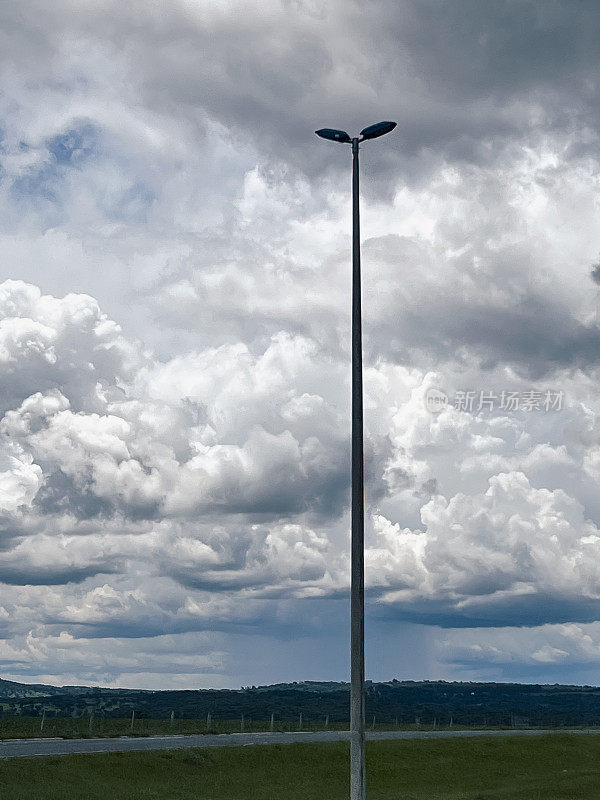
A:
(20, 479)
(512, 553)
(109, 472)
(224, 472)
(226, 431)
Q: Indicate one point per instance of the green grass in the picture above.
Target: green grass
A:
(545, 767)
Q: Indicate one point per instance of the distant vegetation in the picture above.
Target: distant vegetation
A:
(91, 726)
(397, 702)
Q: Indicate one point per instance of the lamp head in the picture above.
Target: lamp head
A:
(379, 129)
(334, 135)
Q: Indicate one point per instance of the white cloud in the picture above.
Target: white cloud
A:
(513, 538)
(20, 479)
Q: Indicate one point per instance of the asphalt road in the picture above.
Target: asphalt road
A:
(12, 748)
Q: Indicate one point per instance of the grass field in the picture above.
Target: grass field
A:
(548, 767)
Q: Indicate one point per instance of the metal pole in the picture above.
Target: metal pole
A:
(357, 583)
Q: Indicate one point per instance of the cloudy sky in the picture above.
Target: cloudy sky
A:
(174, 331)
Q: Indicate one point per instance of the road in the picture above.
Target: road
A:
(12, 748)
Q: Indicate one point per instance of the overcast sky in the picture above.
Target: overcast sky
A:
(174, 340)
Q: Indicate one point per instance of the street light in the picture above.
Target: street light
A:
(357, 582)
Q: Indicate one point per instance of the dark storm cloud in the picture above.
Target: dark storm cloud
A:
(445, 309)
(469, 71)
(487, 612)
(453, 75)
(536, 335)
(25, 574)
(471, 49)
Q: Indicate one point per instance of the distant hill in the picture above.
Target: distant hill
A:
(304, 686)
(11, 689)
(405, 701)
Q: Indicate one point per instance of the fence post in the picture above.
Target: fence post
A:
(242, 724)
(327, 720)
(208, 718)
(132, 719)
(272, 722)
(42, 722)
(172, 717)
(300, 723)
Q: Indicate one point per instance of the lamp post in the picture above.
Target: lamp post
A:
(357, 581)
